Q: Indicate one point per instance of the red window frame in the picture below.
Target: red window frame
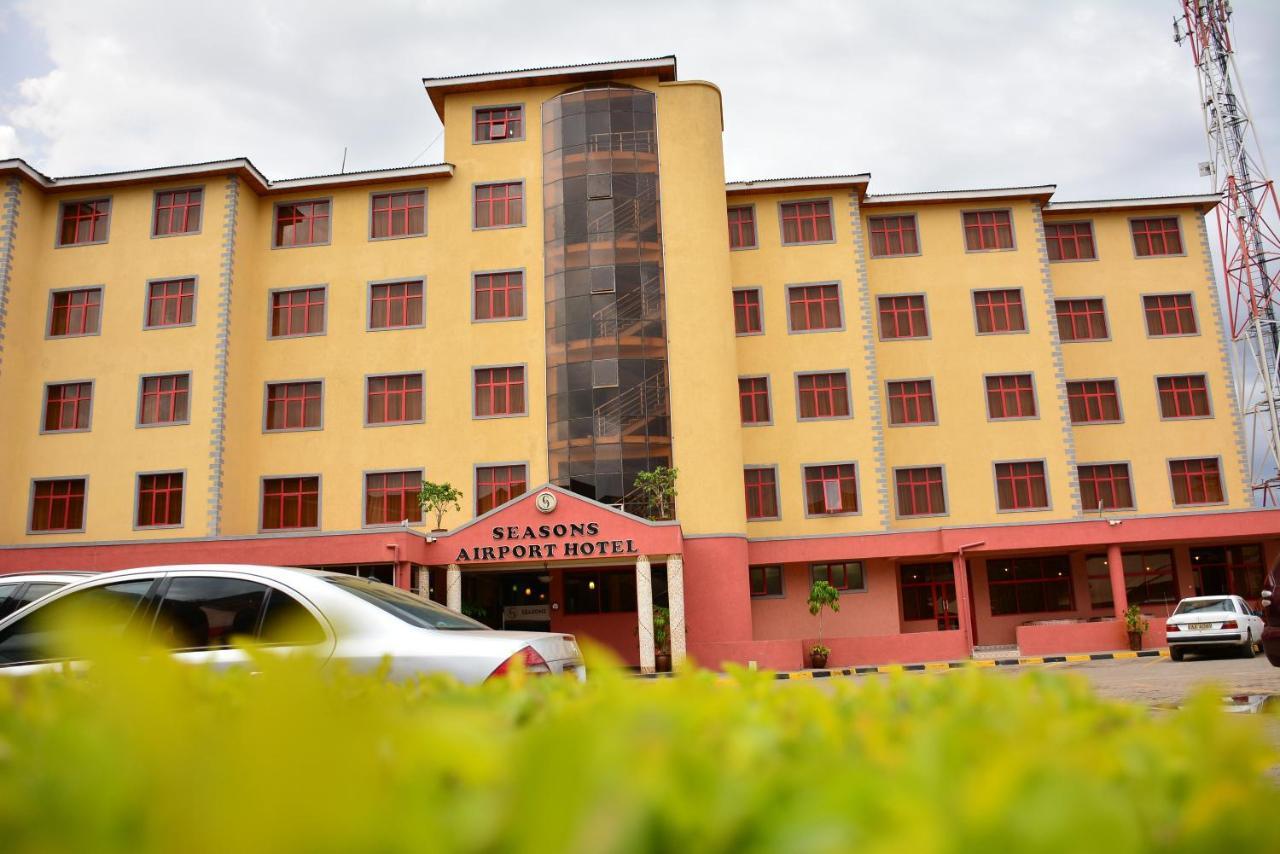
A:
(1021, 485)
(988, 231)
(165, 399)
(893, 235)
(929, 593)
(1150, 578)
(498, 205)
(1184, 396)
(1070, 241)
(823, 395)
(1081, 319)
(841, 575)
(171, 303)
(999, 311)
(753, 400)
(1196, 481)
(57, 504)
(1093, 401)
(811, 308)
(496, 485)
(294, 406)
(498, 295)
(400, 213)
(499, 391)
(1156, 236)
(1242, 568)
(159, 500)
(806, 222)
(1034, 585)
(742, 227)
(748, 317)
(177, 212)
(760, 485)
(921, 491)
(298, 311)
(1011, 396)
(84, 222)
(392, 496)
(831, 490)
(75, 312)
(67, 407)
(302, 223)
(1170, 314)
(393, 399)
(1108, 483)
(395, 305)
(290, 503)
(911, 402)
(765, 580)
(508, 118)
(903, 316)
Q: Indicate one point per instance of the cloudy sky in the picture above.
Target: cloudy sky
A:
(1092, 95)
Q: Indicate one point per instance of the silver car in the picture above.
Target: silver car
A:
(20, 589)
(195, 611)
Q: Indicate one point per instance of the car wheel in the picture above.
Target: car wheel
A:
(1248, 651)
(1176, 654)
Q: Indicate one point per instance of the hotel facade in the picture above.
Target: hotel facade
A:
(991, 418)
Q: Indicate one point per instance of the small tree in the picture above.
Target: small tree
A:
(437, 498)
(658, 486)
(662, 629)
(822, 595)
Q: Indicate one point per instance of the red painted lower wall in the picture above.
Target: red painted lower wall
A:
(911, 648)
(1079, 638)
(717, 590)
(615, 631)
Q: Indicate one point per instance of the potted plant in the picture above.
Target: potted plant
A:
(1136, 625)
(821, 595)
(437, 498)
(662, 639)
(658, 486)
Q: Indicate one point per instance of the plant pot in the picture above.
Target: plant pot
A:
(1135, 641)
(662, 662)
(817, 660)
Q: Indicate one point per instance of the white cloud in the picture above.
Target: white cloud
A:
(8, 142)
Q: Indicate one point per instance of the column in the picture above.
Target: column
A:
(424, 581)
(1119, 592)
(963, 601)
(453, 588)
(675, 604)
(644, 613)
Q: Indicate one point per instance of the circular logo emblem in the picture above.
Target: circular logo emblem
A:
(545, 501)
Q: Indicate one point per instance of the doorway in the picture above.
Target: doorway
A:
(515, 601)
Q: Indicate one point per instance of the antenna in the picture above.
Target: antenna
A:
(343, 170)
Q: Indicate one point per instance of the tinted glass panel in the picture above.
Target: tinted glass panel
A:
(407, 607)
(205, 613)
(41, 635)
(288, 622)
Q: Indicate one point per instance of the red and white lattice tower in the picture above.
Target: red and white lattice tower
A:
(1248, 232)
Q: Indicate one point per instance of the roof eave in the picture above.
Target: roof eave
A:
(780, 185)
(1203, 202)
(1037, 192)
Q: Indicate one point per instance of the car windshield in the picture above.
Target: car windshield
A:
(414, 610)
(1196, 606)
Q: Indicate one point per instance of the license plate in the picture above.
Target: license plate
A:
(1200, 627)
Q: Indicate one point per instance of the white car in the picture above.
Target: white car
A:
(1204, 622)
(196, 611)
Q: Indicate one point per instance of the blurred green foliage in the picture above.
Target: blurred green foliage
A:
(153, 756)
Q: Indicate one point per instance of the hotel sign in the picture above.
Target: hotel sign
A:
(547, 542)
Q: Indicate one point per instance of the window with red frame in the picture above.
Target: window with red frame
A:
(1169, 314)
(496, 485)
(806, 222)
(393, 399)
(753, 400)
(1011, 396)
(831, 490)
(1150, 578)
(762, 492)
(499, 123)
(177, 212)
(1196, 481)
(1021, 486)
(294, 406)
(84, 222)
(1156, 236)
(395, 305)
(58, 505)
(823, 395)
(290, 502)
(1081, 319)
(297, 312)
(399, 214)
(499, 296)
(1183, 396)
(920, 491)
(911, 402)
(1030, 585)
(302, 223)
(1238, 570)
(813, 307)
(929, 593)
(1070, 241)
(1105, 486)
(841, 576)
(903, 317)
(499, 391)
(765, 581)
(893, 235)
(742, 228)
(498, 205)
(165, 399)
(999, 311)
(171, 303)
(988, 230)
(159, 500)
(1093, 401)
(67, 407)
(391, 497)
(746, 311)
(77, 312)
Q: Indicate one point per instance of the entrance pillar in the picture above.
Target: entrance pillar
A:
(644, 613)
(453, 588)
(1119, 592)
(675, 605)
(423, 581)
(963, 601)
